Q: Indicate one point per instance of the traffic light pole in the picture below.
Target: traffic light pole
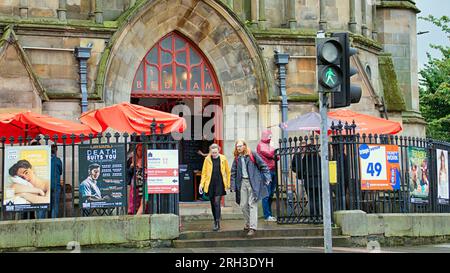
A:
(326, 206)
(328, 243)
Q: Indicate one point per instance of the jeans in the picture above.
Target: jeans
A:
(56, 196)
(54, 205)
(267, 201)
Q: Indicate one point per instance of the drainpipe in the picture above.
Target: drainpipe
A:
(83, 54)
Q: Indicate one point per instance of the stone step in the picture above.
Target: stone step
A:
(224, 216)
(279, 232)
(300, 241)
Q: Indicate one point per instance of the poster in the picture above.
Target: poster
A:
(442, 176)
(102, 176)
(418, 175)
(27, 178)
(379, 167)
(162, 173)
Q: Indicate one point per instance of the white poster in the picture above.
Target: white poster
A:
(162, 173)
(442, 175)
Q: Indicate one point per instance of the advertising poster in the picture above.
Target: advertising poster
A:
(442, 175)
(102, 176)
(162, 173)
(418, 175)
(27, 178)
(379, 167)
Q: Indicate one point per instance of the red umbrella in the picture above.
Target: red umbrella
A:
(365, 123)
(132, 118)
(31, 124)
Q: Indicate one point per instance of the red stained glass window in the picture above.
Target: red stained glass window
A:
(174, 68)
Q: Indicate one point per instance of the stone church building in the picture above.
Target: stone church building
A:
(58, 57)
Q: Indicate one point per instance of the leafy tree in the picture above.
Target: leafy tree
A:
(434, 90)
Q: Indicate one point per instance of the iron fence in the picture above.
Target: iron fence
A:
(68, 151)
(299, 186)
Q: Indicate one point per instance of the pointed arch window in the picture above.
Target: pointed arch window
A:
(174, 67)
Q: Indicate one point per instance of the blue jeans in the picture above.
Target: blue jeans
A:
(54, 205)
(56, 194)
(267, 201)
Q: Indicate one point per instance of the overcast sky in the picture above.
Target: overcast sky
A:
(437, 8)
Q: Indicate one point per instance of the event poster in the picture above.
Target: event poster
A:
(162, 173)
(27, 178)
(418, 175)
(102, 176)
(379, 166)
(442, 175)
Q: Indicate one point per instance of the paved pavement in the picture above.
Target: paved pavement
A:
(206, 225)
(439, 248)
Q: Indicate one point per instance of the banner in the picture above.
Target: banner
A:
(442, 176)
(27, 178)
(418, 175)
(102, 176)
(162, 172)
(379, 167)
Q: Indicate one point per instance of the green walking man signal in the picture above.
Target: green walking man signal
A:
(330, 75)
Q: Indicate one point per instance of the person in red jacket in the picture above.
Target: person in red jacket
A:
(266, 152)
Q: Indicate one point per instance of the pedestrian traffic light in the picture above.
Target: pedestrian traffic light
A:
(329, 54)
(349, 93)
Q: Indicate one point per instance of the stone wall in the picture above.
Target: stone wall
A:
(394, 228)
(105, 230)
(17, 88)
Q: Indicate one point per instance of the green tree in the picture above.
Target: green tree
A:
(434, 90)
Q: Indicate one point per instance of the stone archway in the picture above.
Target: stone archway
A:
(231, 51)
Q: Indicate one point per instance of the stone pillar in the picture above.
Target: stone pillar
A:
(374, 21)
(364, 29)
(62, 10)
(292, 21)
(398, 33)
(352, 23)
(322, 21)
(262, 14)
(98, 11)
(254, 13)
(91, 10)
(23, 8)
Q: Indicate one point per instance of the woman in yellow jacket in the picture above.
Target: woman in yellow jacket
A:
(215, 180)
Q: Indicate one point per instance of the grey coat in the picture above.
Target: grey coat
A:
(258, 174)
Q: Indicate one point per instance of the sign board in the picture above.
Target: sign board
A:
(27, 178)
(418, 175)
(163, 171)
(442, 176)
(379, 167)
(333, 171)
(102, 175)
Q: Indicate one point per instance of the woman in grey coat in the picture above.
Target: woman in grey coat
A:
(248, 173)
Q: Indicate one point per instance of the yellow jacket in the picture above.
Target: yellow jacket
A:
(207, 172)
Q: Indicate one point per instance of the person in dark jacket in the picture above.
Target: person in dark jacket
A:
(267, 152)
(56, 172)
(248, 175)
(307, 166)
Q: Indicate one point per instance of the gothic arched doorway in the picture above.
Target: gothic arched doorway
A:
(174, 71)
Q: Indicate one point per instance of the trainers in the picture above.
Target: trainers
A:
(251, 232)
(271, 219)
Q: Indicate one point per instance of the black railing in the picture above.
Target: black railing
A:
(68, 151)
(299, 175)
